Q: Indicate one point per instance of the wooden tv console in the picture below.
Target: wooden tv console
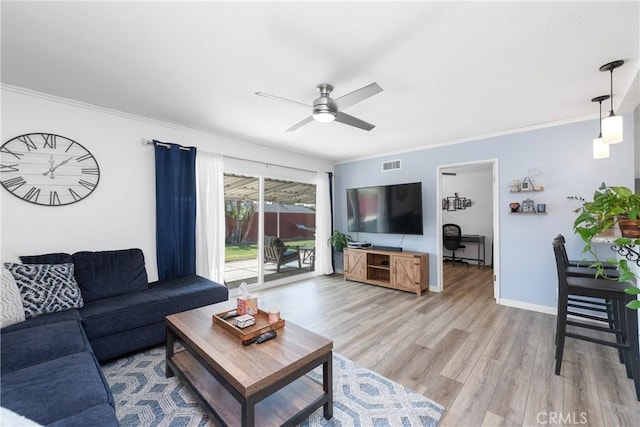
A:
(405, 271)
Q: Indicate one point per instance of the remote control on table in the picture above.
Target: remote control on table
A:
(230, 315)
(266, 336)
(260, 338)
(249, 341)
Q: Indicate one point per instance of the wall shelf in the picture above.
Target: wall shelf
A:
(529, 213)
(528, 201)
(526, 191)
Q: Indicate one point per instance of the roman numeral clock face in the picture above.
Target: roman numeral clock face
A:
(47, 169)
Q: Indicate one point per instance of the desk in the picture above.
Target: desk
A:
(478, 240)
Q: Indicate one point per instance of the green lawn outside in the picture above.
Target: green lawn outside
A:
(250, 250)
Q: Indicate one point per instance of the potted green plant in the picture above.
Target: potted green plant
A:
(611, 206)
(339, 240)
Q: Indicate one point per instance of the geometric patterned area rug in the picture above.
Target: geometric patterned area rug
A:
(144, 397)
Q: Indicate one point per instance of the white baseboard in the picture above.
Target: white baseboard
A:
(527, 306)
(434, 289)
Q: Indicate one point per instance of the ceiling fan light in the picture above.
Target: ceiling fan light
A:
(600, 149)
(324, 116)
(612, 129)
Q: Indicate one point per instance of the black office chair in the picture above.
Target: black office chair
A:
(452, 239)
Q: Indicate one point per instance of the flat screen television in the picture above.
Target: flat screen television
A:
(394, 209)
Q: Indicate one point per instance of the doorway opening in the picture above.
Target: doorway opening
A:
(469, 195)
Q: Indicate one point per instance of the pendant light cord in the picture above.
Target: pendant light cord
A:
(600, 135)
(611, 113)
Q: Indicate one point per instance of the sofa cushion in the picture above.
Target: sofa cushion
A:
(30, 346)
(102, 415)
(56, 389)
(11, 310)
(54, 258)
(46, 288)
(109, 347)
(106, 274)
(45, 319)
(162, 298)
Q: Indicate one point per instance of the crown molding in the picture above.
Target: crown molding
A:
(474, 138)
(88, 106)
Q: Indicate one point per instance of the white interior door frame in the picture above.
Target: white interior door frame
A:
(495, 256)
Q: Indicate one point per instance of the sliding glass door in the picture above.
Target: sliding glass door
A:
(270, 229)
(241, 205)
(289, 228)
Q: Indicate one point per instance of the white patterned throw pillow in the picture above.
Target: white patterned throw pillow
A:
(11, 310)
(10, 418)
(46, 288)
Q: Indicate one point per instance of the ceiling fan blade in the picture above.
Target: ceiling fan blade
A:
(352, 121)
(278, 98)
(357, 95)
(300, 124)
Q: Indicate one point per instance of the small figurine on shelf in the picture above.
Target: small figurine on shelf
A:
(515, 206)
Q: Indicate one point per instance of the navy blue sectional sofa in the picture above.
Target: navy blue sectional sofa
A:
(50, 370)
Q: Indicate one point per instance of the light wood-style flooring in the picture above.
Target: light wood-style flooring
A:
(487, 364)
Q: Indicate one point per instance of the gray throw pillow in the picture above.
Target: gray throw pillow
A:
(11, 310)
(46, 288)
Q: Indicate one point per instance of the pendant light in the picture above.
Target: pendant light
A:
(612, 125)
(600, 148)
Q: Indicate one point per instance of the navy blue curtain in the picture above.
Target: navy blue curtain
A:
(175, 210)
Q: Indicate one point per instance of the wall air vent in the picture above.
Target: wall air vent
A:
(391, 165)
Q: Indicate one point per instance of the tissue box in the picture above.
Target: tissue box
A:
(247, 305)
(244, 321)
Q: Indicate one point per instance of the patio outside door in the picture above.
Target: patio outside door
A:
(241, 202)
(289, 228)
(270, 229)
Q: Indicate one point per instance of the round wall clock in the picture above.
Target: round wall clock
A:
(47, 169)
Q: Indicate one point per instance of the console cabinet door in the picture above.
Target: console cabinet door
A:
(355, 265)
(406, 273)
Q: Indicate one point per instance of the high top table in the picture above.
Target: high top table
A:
(260, 384)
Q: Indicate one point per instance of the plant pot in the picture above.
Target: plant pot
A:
(629, 228)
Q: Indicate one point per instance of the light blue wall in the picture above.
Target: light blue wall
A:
(563, 154)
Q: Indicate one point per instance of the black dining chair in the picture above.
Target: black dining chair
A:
(584, 262)
(625, 329)
(452, 240)
(601, 306)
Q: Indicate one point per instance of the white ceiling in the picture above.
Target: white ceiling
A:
(450, 70)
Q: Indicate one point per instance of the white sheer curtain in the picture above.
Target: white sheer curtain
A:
(210, 220)
(323, 225)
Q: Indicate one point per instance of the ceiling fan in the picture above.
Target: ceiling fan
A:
(325, 109)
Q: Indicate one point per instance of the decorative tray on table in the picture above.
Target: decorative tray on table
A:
(262, 325)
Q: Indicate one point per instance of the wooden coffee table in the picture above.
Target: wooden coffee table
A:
(260, 384)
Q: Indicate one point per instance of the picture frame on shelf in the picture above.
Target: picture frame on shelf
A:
(461, 203)
(528, 206)
(526, 184)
